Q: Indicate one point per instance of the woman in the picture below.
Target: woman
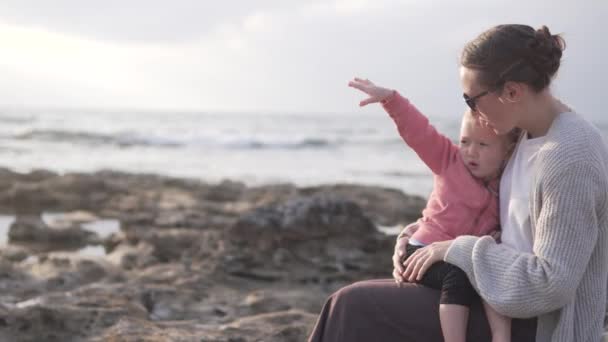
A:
(552, 263)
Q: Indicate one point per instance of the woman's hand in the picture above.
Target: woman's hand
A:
(400, 251)
(420, 261)
(376, 93)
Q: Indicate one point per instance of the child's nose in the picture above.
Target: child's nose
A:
(473, 150)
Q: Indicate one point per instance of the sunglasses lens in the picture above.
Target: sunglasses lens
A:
(471, 104)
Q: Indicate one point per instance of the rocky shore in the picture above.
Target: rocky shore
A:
(189, 261)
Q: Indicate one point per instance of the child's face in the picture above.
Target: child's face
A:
(481, 149)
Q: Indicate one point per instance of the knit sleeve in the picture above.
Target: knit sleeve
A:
(525, 285)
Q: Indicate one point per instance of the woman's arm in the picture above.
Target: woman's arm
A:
(526, 285)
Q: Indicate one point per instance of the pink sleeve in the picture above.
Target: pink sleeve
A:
(436, 150)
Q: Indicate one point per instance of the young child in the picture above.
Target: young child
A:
(464, 200)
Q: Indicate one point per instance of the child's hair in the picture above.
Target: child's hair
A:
(511, 138)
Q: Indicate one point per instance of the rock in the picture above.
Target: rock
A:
(384, 206)
(65, 316)
(283, 298)
(37, 175)
(32, 229)
(62, 271)
(226, 191)
(171, 244)
(29, 199)
(13, 253)
(172, 199)
(130, 329)
(260, 302)
(192, 261)
(302, 218)
(307, 237)
(291, 325)
(74, 218)
(17, 283)
(130, 256)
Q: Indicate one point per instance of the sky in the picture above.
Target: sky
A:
(278, 56)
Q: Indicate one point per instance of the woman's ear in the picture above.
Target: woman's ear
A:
(512, 92)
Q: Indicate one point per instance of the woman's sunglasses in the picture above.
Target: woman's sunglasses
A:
(471, 101)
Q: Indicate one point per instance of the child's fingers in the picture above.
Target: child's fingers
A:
(415, 271)
(366, 81)
(397, 263)
(397, 276)
(358, 86)
(409, 266)
(367, 101)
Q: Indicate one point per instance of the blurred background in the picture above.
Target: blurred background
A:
(232, 94)
(256, 91)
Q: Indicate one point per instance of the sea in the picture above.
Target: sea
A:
(252, 147)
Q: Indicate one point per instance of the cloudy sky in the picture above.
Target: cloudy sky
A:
(273, 55)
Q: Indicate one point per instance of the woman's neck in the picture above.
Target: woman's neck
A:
(541, 113)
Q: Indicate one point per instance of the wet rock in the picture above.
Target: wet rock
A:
(33, 230)
(65, 316)
(384, 206)
(62, 271)
(307, 237)
(192, 261)
(74, 218)
(13, 253)
(291, 325)
(225, 191)
(302, 218)
(130, 256)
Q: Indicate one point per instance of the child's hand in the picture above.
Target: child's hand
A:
(495, 235)
(376, 94)
(401, 251)
(409, 230)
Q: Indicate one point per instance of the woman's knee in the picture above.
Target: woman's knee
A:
(345, 293)
(351, 296)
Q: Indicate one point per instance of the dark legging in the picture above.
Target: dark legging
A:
(452, 281)
(381, 310)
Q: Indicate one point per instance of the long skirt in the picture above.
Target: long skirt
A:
(382, 310)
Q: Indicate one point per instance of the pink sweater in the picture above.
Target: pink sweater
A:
(459, 204)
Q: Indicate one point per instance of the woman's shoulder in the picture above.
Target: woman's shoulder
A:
(573, 142)
(574, 138)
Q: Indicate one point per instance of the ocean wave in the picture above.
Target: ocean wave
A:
(88, 138)
(301, 143)
(305, 143)
(18, 120)
(391, 173)
(219, 142)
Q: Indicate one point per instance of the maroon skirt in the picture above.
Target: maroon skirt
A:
(381, 310)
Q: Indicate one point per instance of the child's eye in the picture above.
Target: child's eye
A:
(483, 144)
(463, 142)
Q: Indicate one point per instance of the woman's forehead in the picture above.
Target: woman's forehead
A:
(469, 78)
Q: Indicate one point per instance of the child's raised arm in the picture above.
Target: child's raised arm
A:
(436, 150)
